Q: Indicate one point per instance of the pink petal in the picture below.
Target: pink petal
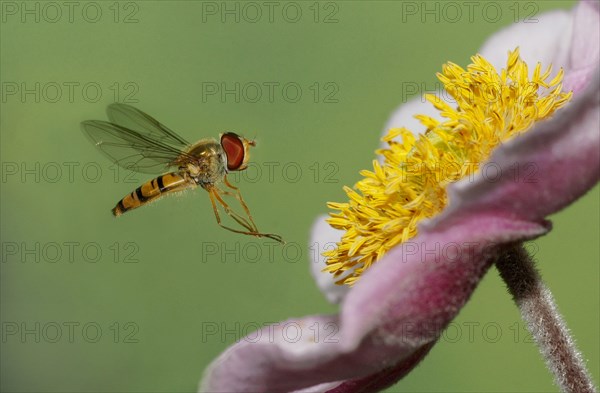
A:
(537, 173)
(278, 359)
(577, 80)
(400, 305)
(324, 387)
(323, 238)
(422, 284)
(585, 46)
(374, 382)
(404, 115)
(386, 377)
(567, 39)
(547, 41)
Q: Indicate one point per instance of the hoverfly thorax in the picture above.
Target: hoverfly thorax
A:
(237, 150)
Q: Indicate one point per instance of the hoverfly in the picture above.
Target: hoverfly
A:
(136, 141)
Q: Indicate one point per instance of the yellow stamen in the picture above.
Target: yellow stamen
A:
(385, 207)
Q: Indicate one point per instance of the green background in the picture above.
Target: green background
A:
(166, 300)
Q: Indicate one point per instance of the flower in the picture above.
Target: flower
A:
(410, 185)
(396, 308)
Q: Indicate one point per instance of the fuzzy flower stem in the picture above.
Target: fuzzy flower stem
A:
(544, 322)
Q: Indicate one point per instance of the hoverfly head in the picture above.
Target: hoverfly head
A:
(236, 148)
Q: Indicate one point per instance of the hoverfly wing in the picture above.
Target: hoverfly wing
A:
(131, 149)
(134, 119)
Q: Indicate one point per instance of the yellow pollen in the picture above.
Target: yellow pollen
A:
(409, 184)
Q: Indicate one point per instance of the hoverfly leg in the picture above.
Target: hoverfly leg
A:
(238, 196)
(213, 192)
(248, 223)
(238, 218)
(212, 195)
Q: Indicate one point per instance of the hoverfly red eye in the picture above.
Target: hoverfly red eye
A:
(234, 148)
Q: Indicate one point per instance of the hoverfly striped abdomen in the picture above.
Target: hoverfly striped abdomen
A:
(151, 190)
